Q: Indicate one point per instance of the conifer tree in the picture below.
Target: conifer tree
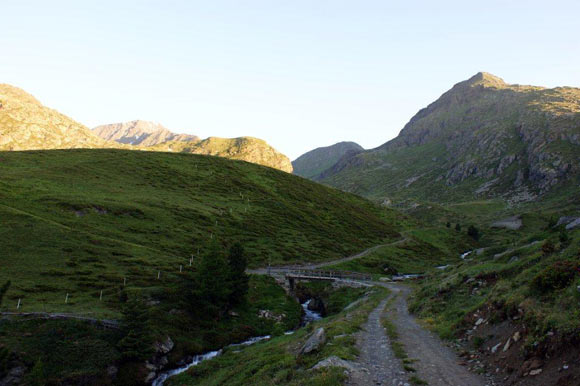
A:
(238, 277)
(136, 343)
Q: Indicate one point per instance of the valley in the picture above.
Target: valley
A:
(447, 256)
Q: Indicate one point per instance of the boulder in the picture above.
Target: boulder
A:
(165, 346)
(314, 342)
(334, 361)
(512, 223)
(573, 225)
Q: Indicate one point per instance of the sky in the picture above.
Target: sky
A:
(298, 74)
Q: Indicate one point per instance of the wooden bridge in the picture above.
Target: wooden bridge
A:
(293, 275)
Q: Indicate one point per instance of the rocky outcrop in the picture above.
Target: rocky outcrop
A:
(512, 223)
(25, 124)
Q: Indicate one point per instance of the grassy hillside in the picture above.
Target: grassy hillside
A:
(313, 163)
(79, 221)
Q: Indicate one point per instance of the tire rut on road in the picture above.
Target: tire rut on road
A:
(377, 364)
(436, 363)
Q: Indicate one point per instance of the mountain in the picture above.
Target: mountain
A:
(314, 162)
(248, 149)
(483, 138)
(139, 132)
(25, 124)
(153, 136)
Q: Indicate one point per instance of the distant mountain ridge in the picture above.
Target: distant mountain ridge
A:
(25, 124)
(140, 132)
(314, 162)
(482, 138)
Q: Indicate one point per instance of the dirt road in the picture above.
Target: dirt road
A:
(436, 363)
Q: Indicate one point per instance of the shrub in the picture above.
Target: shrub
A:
(473, 232)
(457, 227)
(548, 247)
(557, 276)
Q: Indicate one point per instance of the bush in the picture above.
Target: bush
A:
(557, 276)
(548, 248)
(473, 232)
(457, 227)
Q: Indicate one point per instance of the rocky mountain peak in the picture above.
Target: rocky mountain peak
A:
(486, 79)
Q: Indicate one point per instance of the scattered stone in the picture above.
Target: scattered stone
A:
(112, 371)
(233, 313)
(494, 348)
(507, 345)
(334, 361)
(536, 372)
(565, 367)
(316, 340)
(479, 321)
(516, 336)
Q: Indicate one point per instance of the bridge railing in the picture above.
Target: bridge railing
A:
(325, 274)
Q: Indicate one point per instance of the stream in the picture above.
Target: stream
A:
(309, 316)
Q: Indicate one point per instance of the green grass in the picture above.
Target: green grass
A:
(447, 299)
(277, 361)
(81, 221)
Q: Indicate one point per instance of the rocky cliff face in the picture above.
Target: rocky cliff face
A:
(313, 163)
(139, 132)
(244, 148)
(25, 124)
(483, 137)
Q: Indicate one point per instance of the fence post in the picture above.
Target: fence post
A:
(101, 296)
(181, 268)
(18, 305)
(158, 275)
(66, 299)
(124, 281)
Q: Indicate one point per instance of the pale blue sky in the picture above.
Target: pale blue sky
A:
(299, 74)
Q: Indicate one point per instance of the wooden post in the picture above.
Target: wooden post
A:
(18, 305)
(124, 281)
(181, 268)
(158, 275)
(101, 296)
(191, 260)
(66, 299)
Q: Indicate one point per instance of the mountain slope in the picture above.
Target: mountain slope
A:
(117, 212)
(139, 133)
(248, 149)
(483, 138)
(314, 162)
(25, 124)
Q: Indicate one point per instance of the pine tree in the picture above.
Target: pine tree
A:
(136, 342)
(211, 287)
(238, 277)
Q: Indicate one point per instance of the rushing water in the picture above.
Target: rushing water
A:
(309, 316)
(464, 255)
